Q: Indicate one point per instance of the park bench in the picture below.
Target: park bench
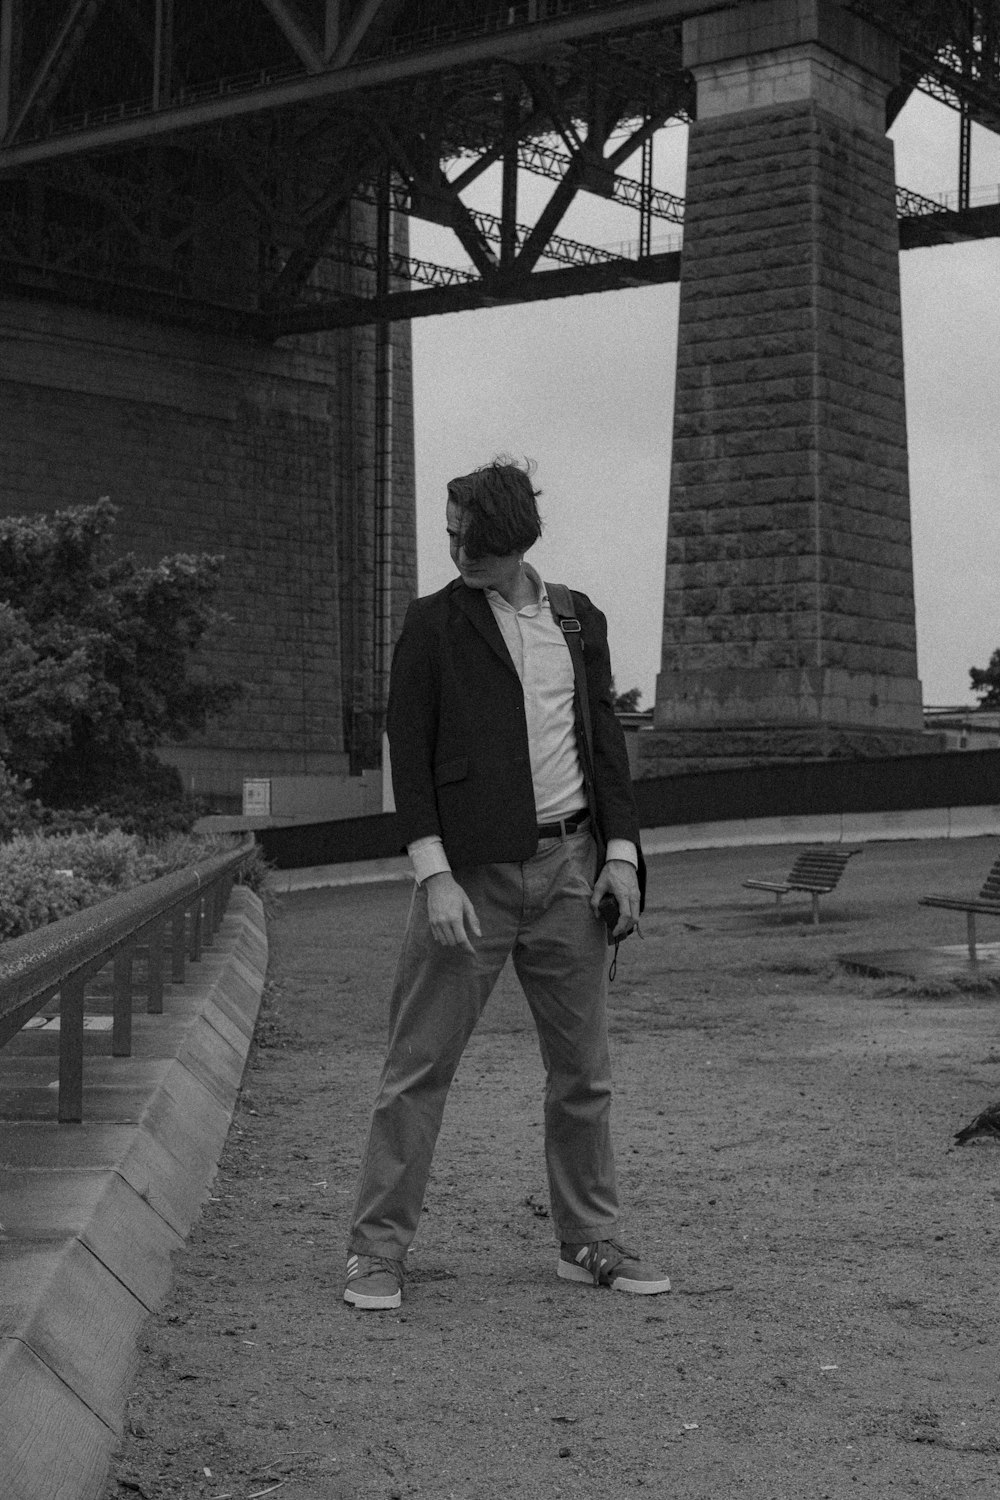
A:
(988, 902)
(815, 871)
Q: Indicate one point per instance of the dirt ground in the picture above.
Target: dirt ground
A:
(784, 1136)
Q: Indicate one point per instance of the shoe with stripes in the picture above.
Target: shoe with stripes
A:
(607, 1263)
(374, 1281)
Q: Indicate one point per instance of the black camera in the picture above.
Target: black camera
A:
(609, 912)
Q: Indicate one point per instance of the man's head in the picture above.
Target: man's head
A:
(494, 510)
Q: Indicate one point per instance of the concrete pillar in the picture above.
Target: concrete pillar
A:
(789, 626)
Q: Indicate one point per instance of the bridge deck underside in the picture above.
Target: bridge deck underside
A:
(200, 167)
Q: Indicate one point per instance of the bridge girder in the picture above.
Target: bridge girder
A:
(202, 163)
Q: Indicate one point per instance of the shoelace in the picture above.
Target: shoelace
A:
(598, 1263)
(379, 1263)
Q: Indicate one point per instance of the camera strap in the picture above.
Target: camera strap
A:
(561, 605)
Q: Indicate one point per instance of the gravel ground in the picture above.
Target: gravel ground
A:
(784, 1134)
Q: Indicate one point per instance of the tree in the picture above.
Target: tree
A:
(626, 703)
(40, 691)
(986, 682)
(98, 656)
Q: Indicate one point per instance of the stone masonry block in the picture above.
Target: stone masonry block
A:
(789, 397)
(207, 444)
(770, 25)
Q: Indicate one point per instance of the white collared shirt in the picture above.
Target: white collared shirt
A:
(538, 650)
(544, 666)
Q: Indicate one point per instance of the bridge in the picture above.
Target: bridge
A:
(207, 287)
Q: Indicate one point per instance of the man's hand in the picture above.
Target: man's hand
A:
(622, 880)
(449, 911)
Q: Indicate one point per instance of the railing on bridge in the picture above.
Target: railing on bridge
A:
(173, 918)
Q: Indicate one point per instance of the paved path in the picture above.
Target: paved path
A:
(784, 1138)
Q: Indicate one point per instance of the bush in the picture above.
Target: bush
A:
(45, 878)
(148, 817)
(16, 811)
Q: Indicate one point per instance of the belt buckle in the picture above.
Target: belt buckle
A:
(563, 827)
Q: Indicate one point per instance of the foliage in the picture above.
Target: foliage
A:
(17, 812)
(136, 811)
(986, 682)
(45, 878)
(98, 658)
(42, 687)
(626, 703)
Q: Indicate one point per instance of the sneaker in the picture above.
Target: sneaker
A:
(606, 1263)
(374, 1281)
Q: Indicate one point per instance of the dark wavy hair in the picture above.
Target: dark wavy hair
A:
(499, 508)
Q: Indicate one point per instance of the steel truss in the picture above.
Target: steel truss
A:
(222, 165)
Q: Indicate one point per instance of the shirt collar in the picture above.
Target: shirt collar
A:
(541, 593)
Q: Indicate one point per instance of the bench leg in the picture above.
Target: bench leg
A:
(970, 923)
(815, 902)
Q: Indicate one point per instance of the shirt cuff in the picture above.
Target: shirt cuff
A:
(618, 849)
(427, 857)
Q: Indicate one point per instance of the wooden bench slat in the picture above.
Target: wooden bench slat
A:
(815, 871)
(956, 903)
(987, 903)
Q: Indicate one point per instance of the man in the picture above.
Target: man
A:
(509, 811)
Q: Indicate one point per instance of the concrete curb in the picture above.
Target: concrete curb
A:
(828, 828)
(92, 1213)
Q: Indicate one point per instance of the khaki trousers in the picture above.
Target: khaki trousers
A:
(539, 913)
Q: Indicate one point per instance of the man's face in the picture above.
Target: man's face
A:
(491, 571)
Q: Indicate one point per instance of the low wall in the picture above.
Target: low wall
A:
(92, 1213)
(806, 789)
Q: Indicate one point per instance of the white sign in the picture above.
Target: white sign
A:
(256, 798)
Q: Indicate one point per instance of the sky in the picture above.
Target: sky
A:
(584, 387)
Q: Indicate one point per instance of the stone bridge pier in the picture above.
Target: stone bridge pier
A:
(788, 627)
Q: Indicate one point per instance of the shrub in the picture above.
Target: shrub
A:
(16, 811)
(149, 817)
(45, 878)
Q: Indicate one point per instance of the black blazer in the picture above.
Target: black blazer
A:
(458, 737)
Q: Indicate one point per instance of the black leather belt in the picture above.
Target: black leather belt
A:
(566, 825)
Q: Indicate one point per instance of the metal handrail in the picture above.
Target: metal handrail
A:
(62, 956)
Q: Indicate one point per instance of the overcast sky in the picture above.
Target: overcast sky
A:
(584, 386)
